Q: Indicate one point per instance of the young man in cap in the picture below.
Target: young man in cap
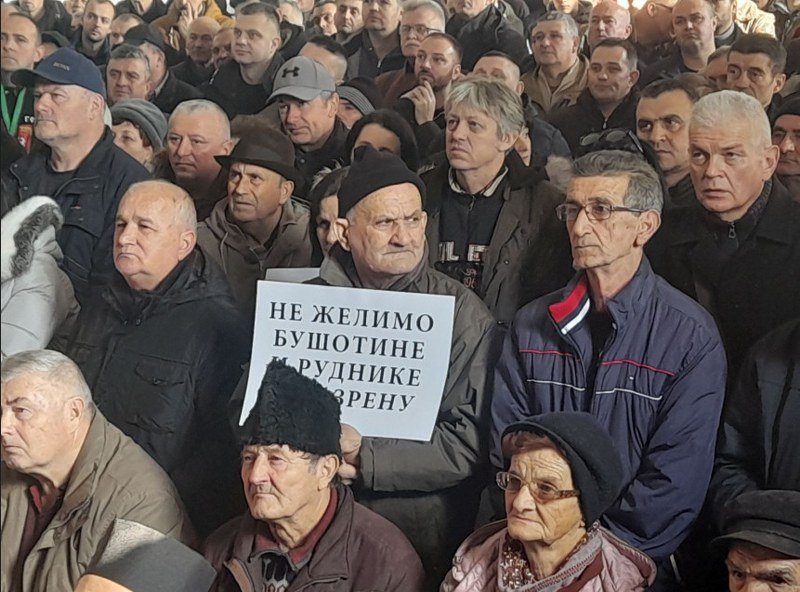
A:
(81, 168)
(258, 226)
(303, 529)
(308, 105)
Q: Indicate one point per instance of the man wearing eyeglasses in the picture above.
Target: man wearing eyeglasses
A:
(622, 344)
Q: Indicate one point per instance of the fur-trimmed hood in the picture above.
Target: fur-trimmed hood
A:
(31, 225)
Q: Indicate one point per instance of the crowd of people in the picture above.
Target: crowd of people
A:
(608, 193)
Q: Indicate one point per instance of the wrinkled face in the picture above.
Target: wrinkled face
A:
(256, 39)
(148, 240)
(18, 46)
(500, 69)
(127, 79)
(415, 25)
(610, 79)
(120, 26)
(279, 482)
(34, 423)
(308, 123)
(546, 522)
(328, 212)
(325, 18)
(97, 21)
(607, 20)
(717, 72)
(551, 45)
(602, 243)
(387, 233)
(128, 137)
(786, 136)
(437, 63)
(752, 74)
(752, 568)
(693, 23)
(255, 193)
(470, 8)
(565, 6)
(381, 15)
(201, 39)
(725, 11)
(348, 18)
(60, 111)
(193, 140)
(729, 167)
(379, 138)
(221, 48)
(472, 142)
(663, 122)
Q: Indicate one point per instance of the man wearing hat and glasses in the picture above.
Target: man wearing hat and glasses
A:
(258, 225)
(82, 169)
(303, 530)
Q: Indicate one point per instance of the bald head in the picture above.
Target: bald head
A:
(608, 19)
(502, 68)
(201, 39)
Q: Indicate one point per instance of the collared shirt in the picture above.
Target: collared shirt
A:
(41, 512)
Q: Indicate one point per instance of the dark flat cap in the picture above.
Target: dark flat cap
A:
(271, 150)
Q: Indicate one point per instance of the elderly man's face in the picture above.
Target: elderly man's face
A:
(415, 25)
(280, 482)
(437, 63)
(608, 19)
(552, 46)
(328, 212)
(387, 233)
(221, 48)
(35, 423)
(348, 16)
(97, 21)
(61, 112)
(308, 123)
(663, 122)
(472, 142)
(754, 568)
(193, 140)
(201, 38)
(149, 240)
(729, 167)
(786, 136)
(751, 73)
(382, 16)
(324, 16)
(127, 79)
(256, 193)
(501, 69)
(530, 520)
(18, 46)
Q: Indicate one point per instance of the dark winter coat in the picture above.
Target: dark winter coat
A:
(173, 92)
(157, 9)
(54, 18)
(362, 61)
(228, 89)
(191, 72)
(488, 31)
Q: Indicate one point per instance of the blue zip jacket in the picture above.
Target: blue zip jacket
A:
(658, 389)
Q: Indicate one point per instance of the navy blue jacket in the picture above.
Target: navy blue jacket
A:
(658, 390)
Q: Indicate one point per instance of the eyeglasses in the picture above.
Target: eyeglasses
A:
(541, 492)
(419, 30)
(611, 139)
(596, 211)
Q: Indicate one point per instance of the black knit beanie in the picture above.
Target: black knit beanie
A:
(294, 410)
(372, 170)
(595, 464)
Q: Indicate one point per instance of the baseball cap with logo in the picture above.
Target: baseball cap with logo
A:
(63, 66)
(302, 78)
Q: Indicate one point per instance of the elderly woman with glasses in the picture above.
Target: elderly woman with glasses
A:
(564, 474)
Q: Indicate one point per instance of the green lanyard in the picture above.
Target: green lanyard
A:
(13, 123)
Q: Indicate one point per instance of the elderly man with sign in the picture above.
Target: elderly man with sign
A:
(429, 489)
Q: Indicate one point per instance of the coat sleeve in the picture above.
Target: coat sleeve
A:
(457, 447)
(678, 460)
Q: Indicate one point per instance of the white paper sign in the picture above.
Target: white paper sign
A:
(385, 355)
(293, 275)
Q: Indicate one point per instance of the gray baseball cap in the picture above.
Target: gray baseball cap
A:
(302, 78)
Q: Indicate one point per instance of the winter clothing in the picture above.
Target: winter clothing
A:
(758, 440)
(157, 9)
(603, 563)
(758, 282)
(204, 198)
(585, 117)
(168, 24)
(36, 296)
(666, 68)
(572, 84)
(430, 489)
(360, 550)
(88, 200)
(63, 66)
(192, 73)
(100, 58)
(546, 139)
(362, 60)
(303, 79)
(361, 93)
(173, 92)
(488, 31)
(397, 82)
(162, 365)
(330, 155)
(54, 18)
(770, 519)
(657, 385)
(754, 20)
(271, 150)
(228, 89)
(146, 116)
(111, 478)
(729, 36)
(244, 260)
(529, 253)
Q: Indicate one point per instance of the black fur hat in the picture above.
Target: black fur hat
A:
(294, 410)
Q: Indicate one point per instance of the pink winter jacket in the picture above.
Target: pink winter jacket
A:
(603, 564)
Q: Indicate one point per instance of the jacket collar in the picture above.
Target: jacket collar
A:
(339, 269)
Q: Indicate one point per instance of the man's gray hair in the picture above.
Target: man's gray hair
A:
(644, 187)
(432, 5)
(126, 51)
(722, 108)
(57, 368)
(185, 210)
(570, 26)
(200, 106)
(492, 97)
